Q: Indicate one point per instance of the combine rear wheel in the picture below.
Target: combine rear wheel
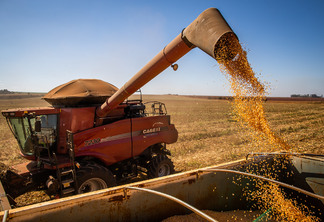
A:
(160, 166)
(92, 176)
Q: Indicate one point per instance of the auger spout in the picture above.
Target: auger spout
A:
(209, 32)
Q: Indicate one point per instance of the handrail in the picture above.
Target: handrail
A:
(266, 179)
(5, 216)
(195, 210)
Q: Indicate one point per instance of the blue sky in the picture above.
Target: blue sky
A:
(47, 43)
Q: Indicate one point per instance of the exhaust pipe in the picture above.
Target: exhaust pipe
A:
(209, 32)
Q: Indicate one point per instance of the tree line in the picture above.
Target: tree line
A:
(5, 91)
(307, 95)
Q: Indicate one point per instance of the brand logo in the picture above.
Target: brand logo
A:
(152, 130)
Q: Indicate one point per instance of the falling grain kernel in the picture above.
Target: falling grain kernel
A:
(248, 99)
(249, 94)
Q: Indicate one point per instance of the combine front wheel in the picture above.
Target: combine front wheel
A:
(160, 166)
(92, 176)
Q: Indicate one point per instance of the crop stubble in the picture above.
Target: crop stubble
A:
(208, 131)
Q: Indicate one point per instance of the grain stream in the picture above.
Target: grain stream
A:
(249, 96)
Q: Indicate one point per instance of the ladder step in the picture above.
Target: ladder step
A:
(66, 172)
(67, 191)
(67, 182)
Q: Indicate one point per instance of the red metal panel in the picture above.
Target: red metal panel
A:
(75, 120)
(37, 110)
(110, 143)
(148, 131)
(26, 168)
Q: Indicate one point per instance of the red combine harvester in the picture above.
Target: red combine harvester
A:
(90, 136)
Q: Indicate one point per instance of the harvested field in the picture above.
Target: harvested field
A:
(282, 99)
(208, 132)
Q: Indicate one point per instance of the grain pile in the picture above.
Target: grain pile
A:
(28, 198)
(32, 197)
(249, 96)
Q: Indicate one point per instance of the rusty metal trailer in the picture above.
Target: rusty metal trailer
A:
(217, 188)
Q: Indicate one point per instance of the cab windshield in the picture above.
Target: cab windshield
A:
(22, 131)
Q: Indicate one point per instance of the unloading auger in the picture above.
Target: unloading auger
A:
(209, 32)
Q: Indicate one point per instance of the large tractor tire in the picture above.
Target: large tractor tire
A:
(92, 176)
(160, 166)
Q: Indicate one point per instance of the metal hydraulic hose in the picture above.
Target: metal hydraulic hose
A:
(195, 210)
(267, 179)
